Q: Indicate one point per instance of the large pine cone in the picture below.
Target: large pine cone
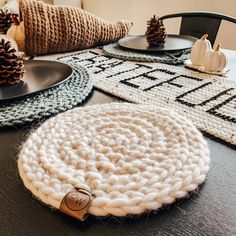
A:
(11, 67)
(5, 21)
(156, 32)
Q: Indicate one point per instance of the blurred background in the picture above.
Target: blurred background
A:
(139, 11)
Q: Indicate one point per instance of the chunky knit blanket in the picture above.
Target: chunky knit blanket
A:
(131, 158)
(51, 29)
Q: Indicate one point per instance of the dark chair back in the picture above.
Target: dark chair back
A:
(199, 23)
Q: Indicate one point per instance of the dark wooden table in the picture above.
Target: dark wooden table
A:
(209, 211)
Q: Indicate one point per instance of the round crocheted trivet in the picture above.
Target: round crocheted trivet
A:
(49, 102)
(174, 58)
(134, 158)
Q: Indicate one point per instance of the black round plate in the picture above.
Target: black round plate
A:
(39, 76)
(173, 43)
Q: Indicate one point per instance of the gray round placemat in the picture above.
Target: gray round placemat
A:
(177, 57)
(50, 102)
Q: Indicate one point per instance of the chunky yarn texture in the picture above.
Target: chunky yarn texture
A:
(52, 29)
(63, 97)
(134, 158)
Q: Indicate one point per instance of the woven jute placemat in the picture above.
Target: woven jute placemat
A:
(49, 102)
(209, 101)
(113, 159)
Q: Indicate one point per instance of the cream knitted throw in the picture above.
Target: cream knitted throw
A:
(51, 29)
(134, 158)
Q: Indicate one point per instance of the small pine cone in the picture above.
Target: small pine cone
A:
(11, 67)
(156, 32)
(5, 21)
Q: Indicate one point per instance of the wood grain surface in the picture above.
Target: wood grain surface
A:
(209, 211)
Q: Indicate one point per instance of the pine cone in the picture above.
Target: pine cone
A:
(5, 21)
(11, 67)
(156, 32)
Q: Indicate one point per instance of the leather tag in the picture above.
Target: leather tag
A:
(76, 203)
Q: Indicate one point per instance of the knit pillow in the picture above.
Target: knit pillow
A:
(53, 29)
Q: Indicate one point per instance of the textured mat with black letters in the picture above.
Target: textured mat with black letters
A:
(208, 100)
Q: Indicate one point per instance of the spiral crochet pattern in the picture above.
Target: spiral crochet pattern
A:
(49, 102)
(114, 50)
(134, 158)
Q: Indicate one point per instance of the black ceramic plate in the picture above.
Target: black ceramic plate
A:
(173, 43)
(39, 76)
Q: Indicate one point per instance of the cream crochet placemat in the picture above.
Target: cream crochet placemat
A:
(208, 100)
(133, 158)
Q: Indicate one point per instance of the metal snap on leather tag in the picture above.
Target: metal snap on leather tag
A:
(76, 203)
